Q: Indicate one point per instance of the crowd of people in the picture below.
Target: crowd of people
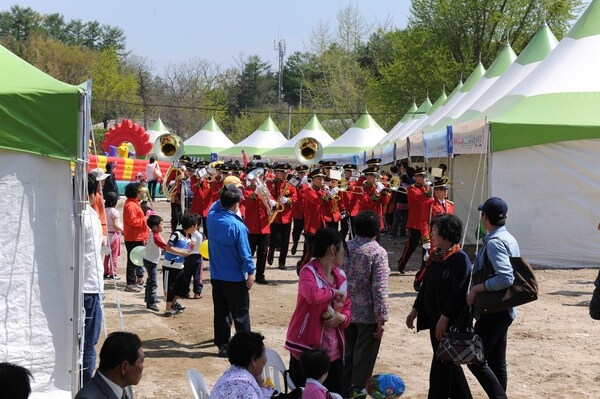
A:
(336, 323)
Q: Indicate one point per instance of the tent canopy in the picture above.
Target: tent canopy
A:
(559, 100)
(265, 138)
(312, 129)
(157, 129)
(32, 119)
(362, 136)
(207, 140)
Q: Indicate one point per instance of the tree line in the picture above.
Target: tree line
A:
(348, 67)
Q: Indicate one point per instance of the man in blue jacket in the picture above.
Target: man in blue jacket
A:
(232, 270)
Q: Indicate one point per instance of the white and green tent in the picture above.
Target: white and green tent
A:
(542, 43)
(156, 129)
(265, 138)
(411, 116)
(503, 61)
(285, 152)
(430, 124)
(545, 142)
(362, 136)
(44, 124)
(207, 140)
(543, 139)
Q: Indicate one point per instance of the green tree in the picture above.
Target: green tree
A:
(114, 89)
(299, 70)
(256, 86)
(474, 29)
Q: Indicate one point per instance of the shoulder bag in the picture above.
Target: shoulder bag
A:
(461, 345)
(524, 288)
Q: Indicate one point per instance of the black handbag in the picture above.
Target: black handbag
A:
(461, 345)
(524, 288)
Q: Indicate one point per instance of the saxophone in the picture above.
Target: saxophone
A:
(279, 207)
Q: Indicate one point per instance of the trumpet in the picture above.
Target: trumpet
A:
(344, 187)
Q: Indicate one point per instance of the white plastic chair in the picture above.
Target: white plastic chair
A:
(276, 371)
(198, 385)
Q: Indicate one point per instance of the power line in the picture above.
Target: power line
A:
(270, 111)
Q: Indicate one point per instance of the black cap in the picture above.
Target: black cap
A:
(495, 208)
(316, 173)
(301, 168)
(349, 166)
(282, 167)
(419, 170)
(373, 170)
(327, 164)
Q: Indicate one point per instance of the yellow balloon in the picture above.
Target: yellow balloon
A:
(204, 249)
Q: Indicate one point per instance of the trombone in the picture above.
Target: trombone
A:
(169, 148)
(344, 187)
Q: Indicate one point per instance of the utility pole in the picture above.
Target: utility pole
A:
(279, 46)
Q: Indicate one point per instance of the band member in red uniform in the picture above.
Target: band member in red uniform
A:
(257, 221)
(314, 205)
(375, 195)
(173, 182)
(285, 195)
(201, 193)
(351, 199)
(437, 205)
(334, 205)
(417, 194)
(298, 208)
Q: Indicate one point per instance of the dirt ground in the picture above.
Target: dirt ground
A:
(552, 351)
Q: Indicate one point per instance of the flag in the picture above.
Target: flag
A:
(245, 158)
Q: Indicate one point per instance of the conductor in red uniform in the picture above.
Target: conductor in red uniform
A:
(418, 194)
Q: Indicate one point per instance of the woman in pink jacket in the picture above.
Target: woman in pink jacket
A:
(322, 309)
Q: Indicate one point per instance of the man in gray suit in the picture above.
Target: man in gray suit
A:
(121, 365)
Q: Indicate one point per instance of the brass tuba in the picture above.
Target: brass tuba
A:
(308, 151)
(168, 147)
(261, 189)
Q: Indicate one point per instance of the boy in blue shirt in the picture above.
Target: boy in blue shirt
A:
(178, 248)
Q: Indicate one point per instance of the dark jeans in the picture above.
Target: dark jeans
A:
(400, 218)
(297, 230)
(414, 240)
(595, 301)
(492, 374)
(132, 268)
(333, 383)
(192, 266)
(93, 322)
(259, 244)
(151, 282)
(152, 188)
(446, 380)
(175, 215)
(231, 301)
(204, 227)
(361, 353)
(280, 237)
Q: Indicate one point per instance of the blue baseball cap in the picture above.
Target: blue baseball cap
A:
(495, 208)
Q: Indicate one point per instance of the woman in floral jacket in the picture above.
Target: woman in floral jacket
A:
(367, 270)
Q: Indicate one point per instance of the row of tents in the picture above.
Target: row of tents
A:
(527, 129)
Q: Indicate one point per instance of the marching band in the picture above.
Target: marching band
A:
(315, 194)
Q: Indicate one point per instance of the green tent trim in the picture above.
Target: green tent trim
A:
(38, 114)
(547, 118)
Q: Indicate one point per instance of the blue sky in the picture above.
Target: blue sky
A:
(178, 30)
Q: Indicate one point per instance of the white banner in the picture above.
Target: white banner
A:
(401, 149)
(470, 137)
(388, 153)
(435, 144)
(417, 147)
